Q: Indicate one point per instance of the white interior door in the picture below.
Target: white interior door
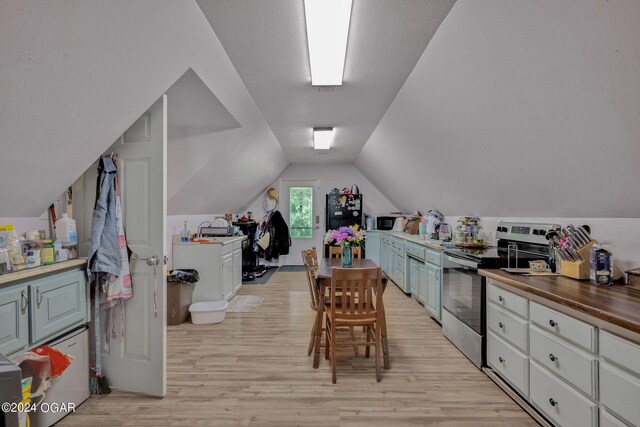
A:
(303, 216)
(136, 360)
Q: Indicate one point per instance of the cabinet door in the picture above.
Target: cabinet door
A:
(433, 290)
(372, 248)
(227, 276)
(14, 319)
(422, 282)
(237, 270)
(413, 277)
(57, 303)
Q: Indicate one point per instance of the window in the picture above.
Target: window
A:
(301, 212)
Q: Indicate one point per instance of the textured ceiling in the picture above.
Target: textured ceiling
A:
(518, 108)
(266, 42)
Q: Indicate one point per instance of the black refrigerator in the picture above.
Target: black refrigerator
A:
(342, 210)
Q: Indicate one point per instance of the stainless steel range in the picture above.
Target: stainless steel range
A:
(463, 300)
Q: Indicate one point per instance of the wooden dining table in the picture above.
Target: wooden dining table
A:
(323, 277)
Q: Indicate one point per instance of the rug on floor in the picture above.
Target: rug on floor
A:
(244, 304)
(291, 268)
(261, 280)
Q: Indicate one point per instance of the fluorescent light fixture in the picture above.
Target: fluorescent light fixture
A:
(322, 138)
(327, 33)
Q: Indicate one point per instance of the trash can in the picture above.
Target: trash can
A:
(179, 294)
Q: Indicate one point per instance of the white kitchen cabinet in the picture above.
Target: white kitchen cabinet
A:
(509, 327)
(237, 270)
(567, 327)
(512, 364)
(508, 300)
(558, 401)
(577, 367)
(219, 266)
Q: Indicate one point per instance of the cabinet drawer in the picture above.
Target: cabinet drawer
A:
(577, 367)
(574, 330)
(510, 328)
(14, 319)
(237, 245)
(415, 251)
(559, 401)
(57, 303)
(620, 392)
(434, 257)
(620, 351)
(509, 362)
(510, 301)
(609, 420)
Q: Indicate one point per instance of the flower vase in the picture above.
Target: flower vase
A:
(347, 256)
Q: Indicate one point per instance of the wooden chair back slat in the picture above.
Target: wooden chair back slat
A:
(311, 268)
(336, 252)
(359, 286)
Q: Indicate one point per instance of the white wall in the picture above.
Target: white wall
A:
(521, 108)
(330, 176)
(76, 74)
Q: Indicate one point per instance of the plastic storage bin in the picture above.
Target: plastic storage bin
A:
(208, 312)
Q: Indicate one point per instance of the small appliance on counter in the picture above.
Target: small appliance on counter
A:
(219, 228)
(412, 226)
(385, 222)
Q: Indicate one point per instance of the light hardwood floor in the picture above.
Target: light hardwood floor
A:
(253, 370)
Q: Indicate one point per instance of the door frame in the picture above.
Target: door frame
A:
(294, 257)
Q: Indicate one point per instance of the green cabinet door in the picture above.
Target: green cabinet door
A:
(422, 282)
(413, 277)
(372, 247)
(14, 319)
(433, 290)
(227, 276)
(57, 303)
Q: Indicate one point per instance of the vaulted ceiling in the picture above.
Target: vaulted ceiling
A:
(266, 42)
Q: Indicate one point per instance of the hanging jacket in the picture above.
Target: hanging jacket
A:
(104, 249)
(279, 241)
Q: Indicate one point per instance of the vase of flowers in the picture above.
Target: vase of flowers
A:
(347, 238)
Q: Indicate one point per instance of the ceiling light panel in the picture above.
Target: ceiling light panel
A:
(322, 138)
(327, 33)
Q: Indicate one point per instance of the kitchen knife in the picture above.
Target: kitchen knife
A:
(576, 236)
(555, 238)
(584, 233)
(570, 237)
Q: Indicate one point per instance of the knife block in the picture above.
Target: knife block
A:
(578, 269)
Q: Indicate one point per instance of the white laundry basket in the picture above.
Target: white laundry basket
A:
(208, 312)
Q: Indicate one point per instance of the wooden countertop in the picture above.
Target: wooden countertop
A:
(615, 304)
(39, 271)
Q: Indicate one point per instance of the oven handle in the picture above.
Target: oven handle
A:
(461, 261)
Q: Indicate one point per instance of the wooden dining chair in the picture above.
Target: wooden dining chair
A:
(362, 287)
(336, 252)
(310, 261)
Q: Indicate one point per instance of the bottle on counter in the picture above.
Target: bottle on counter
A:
(47, 252)
(66, 230)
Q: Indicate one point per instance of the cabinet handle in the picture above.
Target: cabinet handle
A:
(500, 298)
(500, 359)
(38, 297)
(553, 358)
(24, 302)
(553, 402)
(553, 324)
(501, 325)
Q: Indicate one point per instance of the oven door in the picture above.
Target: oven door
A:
(462, 290)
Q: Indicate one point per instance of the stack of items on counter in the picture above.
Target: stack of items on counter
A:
(33, 249)
(582, 257)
